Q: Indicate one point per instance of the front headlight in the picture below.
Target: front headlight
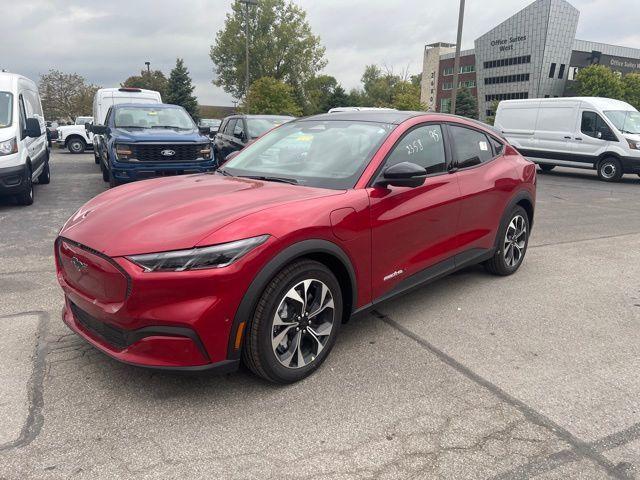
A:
(123, 152)
(9, 146)
(216, 256)
(633, 145)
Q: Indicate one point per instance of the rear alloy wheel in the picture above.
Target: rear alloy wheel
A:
(26, 196)
(610, 170)
(76, 145)
(295, 323)
(512, 247)
(545, 167)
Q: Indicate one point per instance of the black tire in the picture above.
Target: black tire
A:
(610, 170)
(45, 176)
(545, 167)
(499, 264)
(76, 145)
(258, 353)
(26, 196)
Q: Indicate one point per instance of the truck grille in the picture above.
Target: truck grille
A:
(185, 152)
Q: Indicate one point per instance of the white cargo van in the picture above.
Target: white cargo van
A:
(105, 98)
(24, 150)
(582, 132)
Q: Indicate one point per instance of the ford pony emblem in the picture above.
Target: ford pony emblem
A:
(167, 153)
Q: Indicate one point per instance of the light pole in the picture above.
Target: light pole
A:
(456, 62)
(246, 38)
(148, 64)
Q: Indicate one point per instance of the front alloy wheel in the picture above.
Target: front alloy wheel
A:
(295, 323)
(302, 323)
(512, 241)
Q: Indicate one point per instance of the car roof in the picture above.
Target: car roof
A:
(380, 116)
(242, 115)
(145, 105)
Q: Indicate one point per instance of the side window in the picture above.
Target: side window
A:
(470, 146)
(107, 118)
(594, 126)
(423, 146)
(238, 130)
(23, 118)
(223, 125)
(230, 126)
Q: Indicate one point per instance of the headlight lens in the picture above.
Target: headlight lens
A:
(216, 256)
(633, 145)
(9, 146)
(123, 152)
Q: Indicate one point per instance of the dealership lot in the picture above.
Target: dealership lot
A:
(471, 377)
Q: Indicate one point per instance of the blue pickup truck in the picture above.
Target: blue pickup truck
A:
(141, 141)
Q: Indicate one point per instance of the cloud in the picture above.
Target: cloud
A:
(109, 41)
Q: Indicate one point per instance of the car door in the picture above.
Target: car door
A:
(218, 140)
(592, 137)
(413, 229)
(238, 136)
(554, 130)
(485, 188)
(227, 136)
(28, 143)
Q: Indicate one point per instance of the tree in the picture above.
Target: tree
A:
(154, 80)
(631, 84)
(282, 46)
(406, 96)
(599, 81)
(338, 98)
(318, 91)
(272, 97)
(180, 90)
(65, 96)
(466, 104)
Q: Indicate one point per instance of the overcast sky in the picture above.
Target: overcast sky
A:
(109, 40)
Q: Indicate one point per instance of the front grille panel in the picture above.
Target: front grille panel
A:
(183, 152)
(112, 335)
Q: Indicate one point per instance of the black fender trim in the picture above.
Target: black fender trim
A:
(517, 198)
(277, 263)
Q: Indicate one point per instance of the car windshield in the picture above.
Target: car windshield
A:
(627, 121)
(325, 154)
(258, 126)
(205, 122)
(83, 120)
(153, 117)
(6, 107)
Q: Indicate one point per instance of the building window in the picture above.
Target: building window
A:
(447, 85)
(445, 105)
(468, 69)
(573, 71)
(448, 71)
(508, 61)
(520, 77)
(506, 96)
(552, 70)
(561, 71)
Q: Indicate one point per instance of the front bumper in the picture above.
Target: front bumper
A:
(132, 171)
(12, 180)
(630, 164)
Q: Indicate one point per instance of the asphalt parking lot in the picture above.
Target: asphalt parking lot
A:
(535, 375)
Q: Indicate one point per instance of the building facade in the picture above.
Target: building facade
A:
(430, 72)
(532, 54)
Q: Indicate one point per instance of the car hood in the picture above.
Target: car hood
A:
(168, 135)
(174, 213)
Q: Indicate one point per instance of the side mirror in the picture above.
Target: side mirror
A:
(33, 128)
(239, 136)
(599, 135)
(231, 156)
(204, 130)
(99, 129)
(405, 174)
(88, 127)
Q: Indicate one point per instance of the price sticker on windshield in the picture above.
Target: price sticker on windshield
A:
(483, 146)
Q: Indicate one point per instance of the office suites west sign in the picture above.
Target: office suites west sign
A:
(506, 44)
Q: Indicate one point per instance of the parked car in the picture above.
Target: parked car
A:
(213, 125)
(237, 131)
(52, 132)
(264, 259)
(75, 138)
(105, 98)
(24, 150)
(141, 141)
(590, 132)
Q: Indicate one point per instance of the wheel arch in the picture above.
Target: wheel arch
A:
(75, 136)
(323, 251)
(523, 199)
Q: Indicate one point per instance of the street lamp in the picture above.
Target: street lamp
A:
(456, 62)
(246, 37)
(148, 64)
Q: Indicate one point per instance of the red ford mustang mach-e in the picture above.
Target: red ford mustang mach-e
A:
(264, 259)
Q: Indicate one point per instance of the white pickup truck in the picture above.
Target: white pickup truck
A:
(75, 137)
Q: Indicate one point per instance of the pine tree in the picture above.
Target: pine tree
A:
(466, 104)
(180, 90)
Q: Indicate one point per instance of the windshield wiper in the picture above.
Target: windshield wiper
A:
(129, 126)
(290, 181)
